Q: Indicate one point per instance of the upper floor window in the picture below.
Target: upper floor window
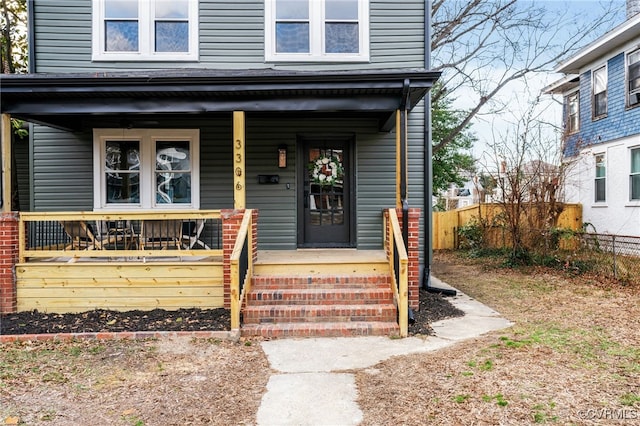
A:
(145, 30)
(317, 30)
(144, 168)
(601, 179)
(572, 103)
(633, 78)
(634, 176)
(599, 84)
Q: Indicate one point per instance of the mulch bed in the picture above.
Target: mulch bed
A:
(433, 307)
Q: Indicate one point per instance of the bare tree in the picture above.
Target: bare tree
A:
(529, 170)
(13, 36)
(483, 45)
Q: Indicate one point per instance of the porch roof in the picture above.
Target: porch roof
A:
(73, 100)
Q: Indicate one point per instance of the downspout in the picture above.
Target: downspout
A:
(30, 37)
(404, 177)
(428, 168)
(31, 49)
(404, 174)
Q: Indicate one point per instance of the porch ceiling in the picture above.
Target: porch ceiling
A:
(74, 101)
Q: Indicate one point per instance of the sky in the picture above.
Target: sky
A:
(517, 95)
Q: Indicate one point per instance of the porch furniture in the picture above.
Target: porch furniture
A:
(82, 236)
(191, 231)
(160, 234)
(118, 234)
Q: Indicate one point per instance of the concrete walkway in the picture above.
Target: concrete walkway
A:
(313, 387)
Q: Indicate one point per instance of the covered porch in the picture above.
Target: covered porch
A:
(208, 260)
(211, 266)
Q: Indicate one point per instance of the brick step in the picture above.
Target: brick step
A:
(319, 296)
(320, 281)
(264, 314)
(326, 329)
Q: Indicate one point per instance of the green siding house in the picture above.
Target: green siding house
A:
(310, 114)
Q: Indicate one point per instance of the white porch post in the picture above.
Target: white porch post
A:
(239, 182)
(6, 162)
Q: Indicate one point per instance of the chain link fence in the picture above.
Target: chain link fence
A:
(614, 256)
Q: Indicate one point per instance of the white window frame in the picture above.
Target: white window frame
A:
(147, 139)
(631, 174)
(146, 52)
(594, 115)
(596, 177)
(568, 127)
(633, 99)
(316, 36)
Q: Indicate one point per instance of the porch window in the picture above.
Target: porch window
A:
(600, 179)
(634, 177)
(317, 30)
(144, 168)
(633, 78)
(149, 30)
(572, 103)
(599, 100)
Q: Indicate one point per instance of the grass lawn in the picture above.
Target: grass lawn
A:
(572, 357)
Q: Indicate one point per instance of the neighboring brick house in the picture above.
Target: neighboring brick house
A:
(601, 91)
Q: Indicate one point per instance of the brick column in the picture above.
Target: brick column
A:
(8, 259)
(413, 252)
(231, 221)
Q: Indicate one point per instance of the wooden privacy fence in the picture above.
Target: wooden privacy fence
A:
(446, 224)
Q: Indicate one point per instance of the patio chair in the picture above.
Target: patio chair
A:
(81, 235)
(118, 234)
(191, 231)
(161, 234)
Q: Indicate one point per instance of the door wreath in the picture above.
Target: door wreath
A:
(326, 170)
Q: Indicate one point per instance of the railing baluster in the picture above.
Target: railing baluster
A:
(118, 234)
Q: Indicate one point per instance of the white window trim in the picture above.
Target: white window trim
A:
(567, 110)
(626, 78)
(316, 36)
(146, 9)
(147, 138)
(595, 177)
(593, 92)
(631, 202)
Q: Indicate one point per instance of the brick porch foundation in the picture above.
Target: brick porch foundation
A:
(413, 253)
(8, 259)
(231, 221)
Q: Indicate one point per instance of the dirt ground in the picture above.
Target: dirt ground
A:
(572, 357)
(433, 307)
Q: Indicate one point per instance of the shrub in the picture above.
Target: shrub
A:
(471, 236)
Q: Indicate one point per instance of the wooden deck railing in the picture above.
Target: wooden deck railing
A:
(399, 264)
(124, 235)
(241, 268)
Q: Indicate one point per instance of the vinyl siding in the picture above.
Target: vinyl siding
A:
(63, 175)
(62, 171)
(20, 149)
(231, 37)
